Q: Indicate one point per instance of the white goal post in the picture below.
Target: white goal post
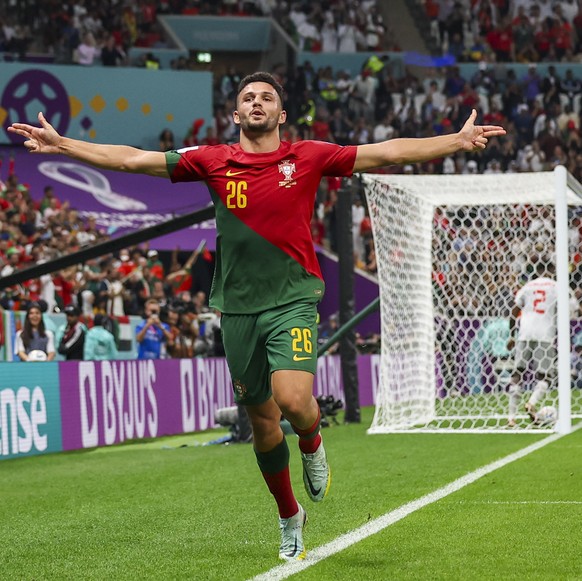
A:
(452, 250)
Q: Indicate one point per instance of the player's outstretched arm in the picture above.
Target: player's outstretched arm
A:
(400, 151)
(45, 139)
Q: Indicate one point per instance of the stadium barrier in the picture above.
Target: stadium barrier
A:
(49, 407)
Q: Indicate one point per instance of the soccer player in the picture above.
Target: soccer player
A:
(267, 279)
(535, 347)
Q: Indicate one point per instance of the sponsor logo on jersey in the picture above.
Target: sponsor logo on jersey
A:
(287, 169)
(231, 173)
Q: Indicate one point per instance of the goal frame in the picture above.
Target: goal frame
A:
(561, 190)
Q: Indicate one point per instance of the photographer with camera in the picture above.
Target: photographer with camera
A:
(152, 334)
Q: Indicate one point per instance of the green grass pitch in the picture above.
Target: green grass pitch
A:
(161, 511)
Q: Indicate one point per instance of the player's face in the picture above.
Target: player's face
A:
(259, 109)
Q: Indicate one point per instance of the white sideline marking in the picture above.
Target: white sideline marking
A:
(506, 502)
(345, 541)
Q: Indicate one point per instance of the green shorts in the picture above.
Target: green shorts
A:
(258, 344)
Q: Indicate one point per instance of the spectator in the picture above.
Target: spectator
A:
(64, 283)
(501, 41)
(329, 37)
(340, 127)
(152, 334)
(47, 200)
(180, 277)
(523, 39)
(151, 62)
(571, 87)
(187, 344)
(551, 88)
(167, 142)
(112, 55)
(374, 29)
(136, 292)
(172, 318)
(371, 265)
(86, 52)
(111, 289)
(348, 35)
(363, 95)
(71, 341)
(155, 265)
(34, 342)
(99, 342)
(309, 36)
(158, 292)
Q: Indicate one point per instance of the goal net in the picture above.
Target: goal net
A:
(452, 251)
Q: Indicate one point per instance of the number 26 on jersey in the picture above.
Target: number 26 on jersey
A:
(236, 197)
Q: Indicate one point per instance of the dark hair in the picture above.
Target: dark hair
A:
(99, 320)
(72, 310)
(27, 330)
(261, 77)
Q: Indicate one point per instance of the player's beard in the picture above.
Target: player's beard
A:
(260, 126)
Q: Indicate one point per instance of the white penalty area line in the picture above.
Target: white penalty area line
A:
(372, 527)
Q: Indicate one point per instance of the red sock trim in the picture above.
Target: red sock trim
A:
(310, 438)
(279, 484)
(310, 446)
(310, 432)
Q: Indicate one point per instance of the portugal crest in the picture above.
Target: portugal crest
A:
(240, 389)
(287, 169)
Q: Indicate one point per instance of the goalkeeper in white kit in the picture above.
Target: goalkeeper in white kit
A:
(535, 348)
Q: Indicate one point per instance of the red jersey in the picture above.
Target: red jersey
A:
(264, 203)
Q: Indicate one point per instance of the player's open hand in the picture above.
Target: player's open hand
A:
(43, 139)
(475, 137)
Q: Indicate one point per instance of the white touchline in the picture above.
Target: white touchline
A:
(506, 502)
(318, 554)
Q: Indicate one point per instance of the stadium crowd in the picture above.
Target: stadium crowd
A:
(513, 30)
(87, 32)
(540, 110)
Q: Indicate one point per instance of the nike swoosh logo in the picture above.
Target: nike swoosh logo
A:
(231, 173)
(297, 358)
(314, 491)
(294, 551)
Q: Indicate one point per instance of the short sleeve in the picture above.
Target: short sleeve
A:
(189, 164)
(333, 159)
